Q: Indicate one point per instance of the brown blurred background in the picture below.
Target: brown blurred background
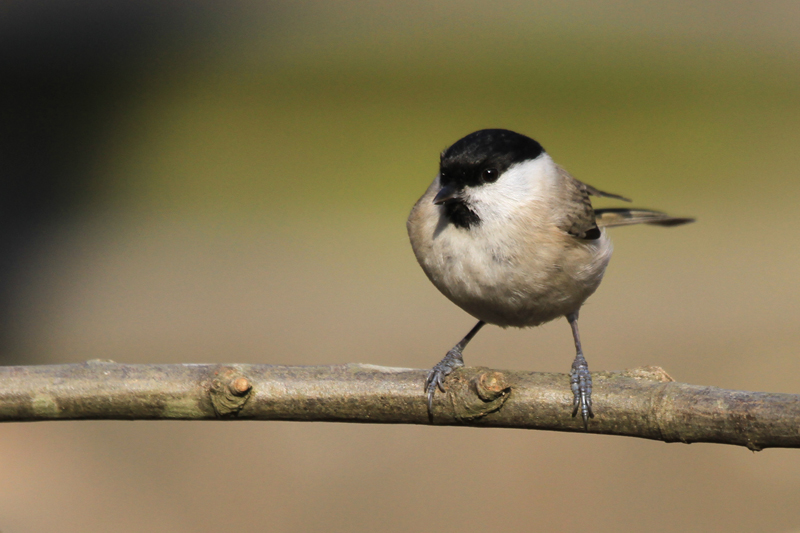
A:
(228, 182)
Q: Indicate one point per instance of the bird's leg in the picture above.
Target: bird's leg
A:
(451, 361)
(579, 377)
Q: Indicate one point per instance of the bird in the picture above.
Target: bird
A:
(512, 238)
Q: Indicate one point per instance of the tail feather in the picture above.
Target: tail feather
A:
(607, 218)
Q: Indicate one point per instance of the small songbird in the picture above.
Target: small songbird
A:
(512, 238)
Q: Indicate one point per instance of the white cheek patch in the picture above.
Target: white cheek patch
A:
(518, 187)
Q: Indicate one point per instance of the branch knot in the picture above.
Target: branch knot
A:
(229, 392)
(485, 393)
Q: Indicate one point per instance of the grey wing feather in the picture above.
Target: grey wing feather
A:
(578, 216)
(586, 187)
(607, 218)
(584, 222)
(597, 192)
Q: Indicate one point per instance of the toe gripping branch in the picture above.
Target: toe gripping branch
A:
(581, 382)
(450, 362)
(436, 376)
(579, 377)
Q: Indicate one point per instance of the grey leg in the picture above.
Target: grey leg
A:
(580, 378)
(451, 361)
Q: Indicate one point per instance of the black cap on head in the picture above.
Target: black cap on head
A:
(483, 156)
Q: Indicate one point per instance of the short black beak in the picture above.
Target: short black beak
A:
(448, 193)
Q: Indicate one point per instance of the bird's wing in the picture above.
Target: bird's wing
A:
(585, 187)
(584, 222)
(607, 218)
(581, 220)
(578, 216)
(597, 192)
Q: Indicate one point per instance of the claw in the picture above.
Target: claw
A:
(431, 394)
(584, 403)
(438, 373)
(440, 380)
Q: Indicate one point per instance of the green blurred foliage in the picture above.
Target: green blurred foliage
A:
(344, 108)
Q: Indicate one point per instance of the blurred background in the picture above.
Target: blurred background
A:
(228, 182)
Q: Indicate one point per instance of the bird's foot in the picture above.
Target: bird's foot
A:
(581, 381)
(436, 376)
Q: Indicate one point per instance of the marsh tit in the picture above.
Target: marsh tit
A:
(512, 238)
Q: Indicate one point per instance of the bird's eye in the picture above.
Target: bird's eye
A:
(490, 174)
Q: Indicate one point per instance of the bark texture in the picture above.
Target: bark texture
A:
(643, 402)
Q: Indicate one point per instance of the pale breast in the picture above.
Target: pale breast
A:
(503, 273)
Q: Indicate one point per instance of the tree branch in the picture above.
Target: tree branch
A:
(643, 402)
